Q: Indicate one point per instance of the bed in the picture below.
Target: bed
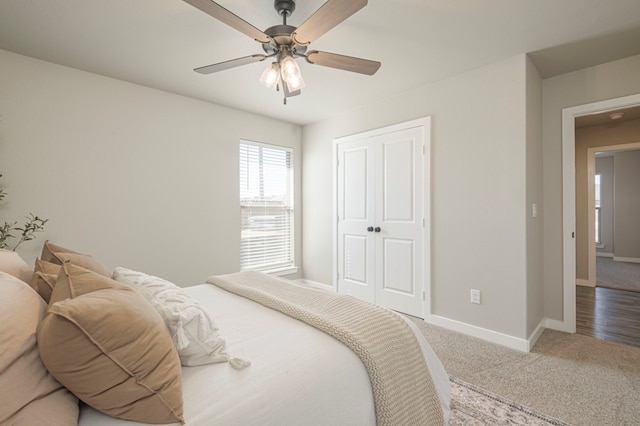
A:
(270, 368)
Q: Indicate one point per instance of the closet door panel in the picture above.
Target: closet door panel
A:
(355, 255)
(399, 203)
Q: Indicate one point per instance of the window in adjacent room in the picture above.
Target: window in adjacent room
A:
(266, 208)
(598, 178)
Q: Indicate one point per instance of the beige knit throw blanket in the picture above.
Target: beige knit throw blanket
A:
(403, 391)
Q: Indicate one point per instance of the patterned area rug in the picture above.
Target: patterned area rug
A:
(471, 406)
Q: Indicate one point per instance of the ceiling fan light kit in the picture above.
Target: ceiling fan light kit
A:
(291, 74)
(271, 75)
(284, 43)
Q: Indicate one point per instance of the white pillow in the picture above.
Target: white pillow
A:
(194, 333)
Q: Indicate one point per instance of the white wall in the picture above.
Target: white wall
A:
(627, 205)
(535, 267)
(479, 191)
(607, 81)
(137, 177)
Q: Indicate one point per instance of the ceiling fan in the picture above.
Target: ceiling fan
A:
(284, 43)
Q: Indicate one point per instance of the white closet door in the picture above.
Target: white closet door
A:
(399, 245)
(380, 229)
(355, 214)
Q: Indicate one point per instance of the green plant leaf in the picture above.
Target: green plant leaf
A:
(5, 233)
(32, 225)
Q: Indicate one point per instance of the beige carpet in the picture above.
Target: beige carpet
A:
(619, 275)
(573, 378)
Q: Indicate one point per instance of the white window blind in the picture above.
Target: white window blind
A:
(266, 207)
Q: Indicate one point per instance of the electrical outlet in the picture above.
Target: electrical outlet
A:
(475, 296)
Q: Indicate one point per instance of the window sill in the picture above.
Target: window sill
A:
(282, 271)
(285, 270)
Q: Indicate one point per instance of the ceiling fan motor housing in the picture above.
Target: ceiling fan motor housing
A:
(281, 35)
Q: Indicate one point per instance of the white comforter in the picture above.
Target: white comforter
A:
(298, 375)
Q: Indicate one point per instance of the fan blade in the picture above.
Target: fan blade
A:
(326, 17)
(234, 21)
(347, 63)
(221, 66)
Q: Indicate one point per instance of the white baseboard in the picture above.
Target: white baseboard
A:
(512, 342)
(557, 325)
(585, 283)
(524, 345)
(535, 335)
(315, 284)
(604, 254)
(626, 259)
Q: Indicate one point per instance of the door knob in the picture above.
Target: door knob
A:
(377, 229)
(370, 229)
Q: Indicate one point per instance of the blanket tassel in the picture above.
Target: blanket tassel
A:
(238, 363)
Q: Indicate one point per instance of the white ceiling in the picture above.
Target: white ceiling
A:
(157, 43)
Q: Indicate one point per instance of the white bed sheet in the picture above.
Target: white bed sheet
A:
(298, 375)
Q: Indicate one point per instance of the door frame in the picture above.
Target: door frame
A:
(569, 198)
(425, 124)
(591, 203)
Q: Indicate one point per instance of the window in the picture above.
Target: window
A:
(598, 196)
(266, 208)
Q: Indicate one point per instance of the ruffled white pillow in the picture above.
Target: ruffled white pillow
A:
(194, 333)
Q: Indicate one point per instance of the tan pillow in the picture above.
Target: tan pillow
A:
(48, 250)
(58, 255)
(47, 267)
(85, 261)
(44, 278)
(110, 347)
(13, 264)
(43, 284)
(30, 395)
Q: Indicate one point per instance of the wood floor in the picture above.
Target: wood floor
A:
(608, 314)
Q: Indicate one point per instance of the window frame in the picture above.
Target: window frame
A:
(276, 268)
(598, 209)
